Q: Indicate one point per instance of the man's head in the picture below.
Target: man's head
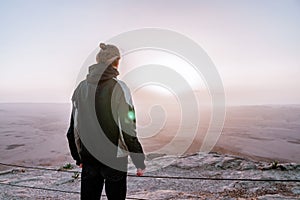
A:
(109, 54)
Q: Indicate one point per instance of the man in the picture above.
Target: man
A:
(102, 130)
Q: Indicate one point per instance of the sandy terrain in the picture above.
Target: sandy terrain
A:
(36, 133)
(262, 132)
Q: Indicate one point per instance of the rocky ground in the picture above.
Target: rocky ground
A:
(210, 165)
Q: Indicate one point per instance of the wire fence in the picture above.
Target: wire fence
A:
(131, 175)
(161, 177)
(54, 190)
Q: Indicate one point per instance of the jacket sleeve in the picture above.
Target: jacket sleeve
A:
(128, 126)
(71, 140)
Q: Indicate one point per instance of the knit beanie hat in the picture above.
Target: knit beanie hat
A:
(108, 54)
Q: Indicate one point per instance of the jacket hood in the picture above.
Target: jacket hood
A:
(101, 72)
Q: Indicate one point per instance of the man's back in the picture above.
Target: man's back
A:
(102, 131)
(101, 118)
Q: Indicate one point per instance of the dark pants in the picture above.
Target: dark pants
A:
(93, 178)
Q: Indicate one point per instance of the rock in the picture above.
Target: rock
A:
(151, 156)
(190, 166)
(248, 166)
(228, 163)
(276, 197)
(296, 191)
(64, 181)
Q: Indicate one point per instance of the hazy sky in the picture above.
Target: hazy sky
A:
(255, 45)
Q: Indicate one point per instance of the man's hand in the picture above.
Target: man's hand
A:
(80, 165)
(140, 172)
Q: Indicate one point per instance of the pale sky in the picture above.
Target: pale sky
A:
(255, 45)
